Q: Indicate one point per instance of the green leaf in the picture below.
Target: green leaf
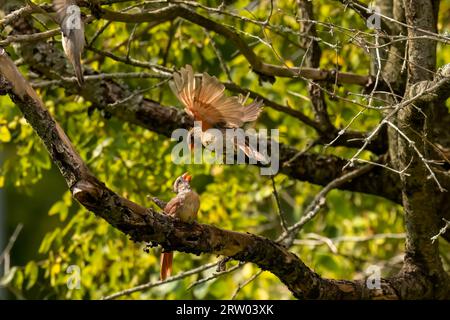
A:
(18, 279)
(60, 208)
(32, 272)
(5, 135)
(48, 240)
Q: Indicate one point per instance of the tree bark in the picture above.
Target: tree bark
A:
(422, 193)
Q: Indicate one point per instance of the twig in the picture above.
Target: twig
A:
(314, 207)
(444, 38)
(215, 275)
(425, 161)
(130, 61)
(29, 37)
(159, 283)
(136, 94)
(12, 240)
(322, 240)
(300, 153)
(219, 55)
(98, 33)
(130, 39)
(315, 240)
(396, 108)
(442, 231)
(104, 76)
(243, 284)
(400, 172)
(371, 96)
(280, 211)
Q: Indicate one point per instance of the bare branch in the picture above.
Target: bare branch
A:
(143, 224)
(10, 245)
(280, 211)
(442, 231)
(150, 285)
(260, 67)
(245, 283)
(161, 119)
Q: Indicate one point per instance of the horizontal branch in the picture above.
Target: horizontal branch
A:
(150, 285)
(144, 224)
(269, 70)
(105, 93)
(350, 139)
(310, 167)
(365, 12)
(29, 37)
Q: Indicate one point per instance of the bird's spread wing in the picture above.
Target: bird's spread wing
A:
(206, 101)
(184, 87)
(215, 107)
(252, 111)
(252, 153)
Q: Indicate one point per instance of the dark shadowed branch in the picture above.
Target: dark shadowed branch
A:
(144, 224)
(105, 92)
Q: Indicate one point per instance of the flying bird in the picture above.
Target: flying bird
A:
(205, 101)
(183, 206)
(72, 30)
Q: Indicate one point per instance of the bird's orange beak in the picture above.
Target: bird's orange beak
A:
(187, 177)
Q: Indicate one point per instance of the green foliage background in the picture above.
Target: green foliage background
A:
(135, 163)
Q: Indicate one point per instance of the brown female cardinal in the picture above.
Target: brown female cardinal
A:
(72, 30)
(184, 206)
(206, 102)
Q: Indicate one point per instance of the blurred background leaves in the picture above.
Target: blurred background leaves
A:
(134, 162)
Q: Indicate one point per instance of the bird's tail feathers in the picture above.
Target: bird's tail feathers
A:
(252, 153)
(78, 72)
(166, 265)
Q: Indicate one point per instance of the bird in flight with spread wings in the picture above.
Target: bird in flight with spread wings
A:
(205, 101)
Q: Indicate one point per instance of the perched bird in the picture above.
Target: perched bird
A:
(205, 101)
(72, 30)
(184, 206)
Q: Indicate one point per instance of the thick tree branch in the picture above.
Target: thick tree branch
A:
(311, 59)
(421, 195)
(327, 133)
(105, 93)
(269, 70)
(174, 11)
(143, 224)
(350, 139)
